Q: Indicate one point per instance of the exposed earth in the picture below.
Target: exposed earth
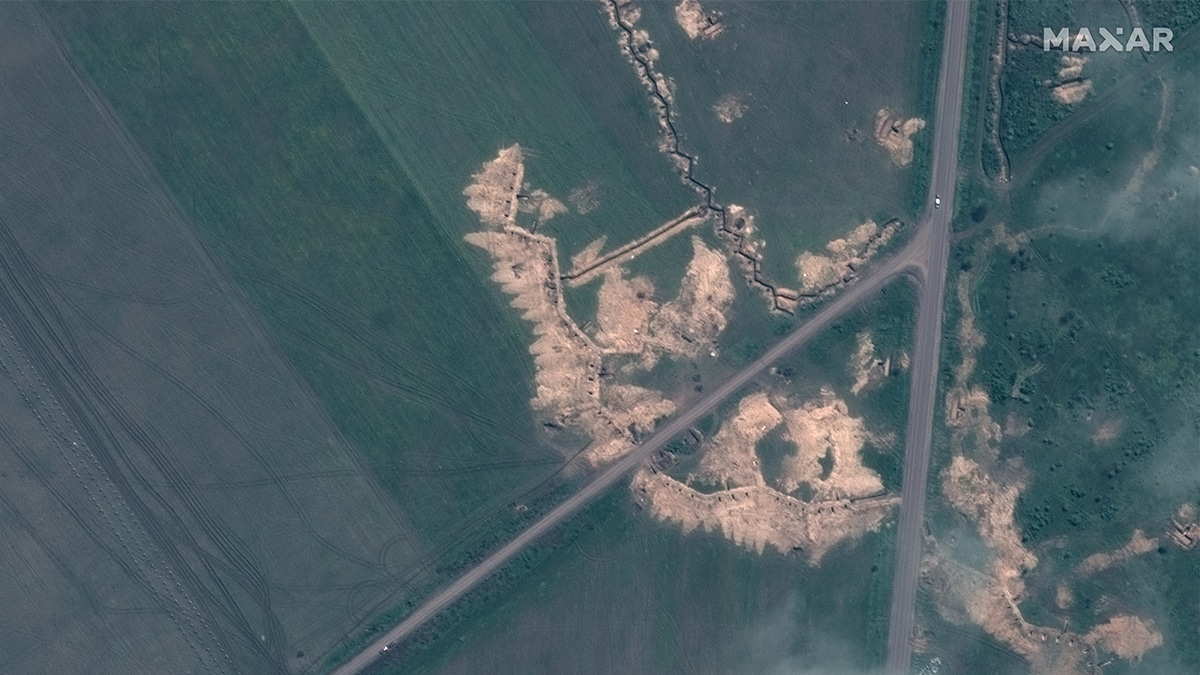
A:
(846, 503)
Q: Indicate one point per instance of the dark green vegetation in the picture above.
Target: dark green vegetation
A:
(1092, 357)
(1027, 109)
(812, 77)
(634, 595)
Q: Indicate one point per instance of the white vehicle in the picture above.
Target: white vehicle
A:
(937, 201)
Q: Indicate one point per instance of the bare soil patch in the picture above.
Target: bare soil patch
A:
(631, 322)
(1063, 597)
(1184, 529)
(730, 459)
(1138, 544)
(738, 232)
(967, 595)
(539, 203)
(1015, 425)
(1126, 636)
(1071, 86)
(588, 263)
(821, 274)
(567, 362)
(751, 513)
(986, 494)
(868, 368)
(697, 23)
(493, 190)
(757, 517)
(585, 198)
(894, 134)
(824, 428)
(991, 505)
(625, 309)
(1107, 431)
(1071, 92)
(730, 107)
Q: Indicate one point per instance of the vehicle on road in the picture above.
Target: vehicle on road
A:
(937, 201)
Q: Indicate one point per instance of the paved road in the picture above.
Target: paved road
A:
(935, 235)
(924, 257)
(906, 260)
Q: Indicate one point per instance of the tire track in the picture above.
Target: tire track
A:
(37, 343)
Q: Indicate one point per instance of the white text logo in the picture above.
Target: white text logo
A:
(1082, 41)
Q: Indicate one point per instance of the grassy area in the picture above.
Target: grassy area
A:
(806, 87)
(364, 283)
(1091, 363)
(175, 498)
(632, 595)
(1028, 110)
(446, 86)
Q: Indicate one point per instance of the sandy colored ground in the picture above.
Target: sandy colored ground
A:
(894, 134)
(843, 258)
(567, 362)
(624, 312)
(730, 459)
(1015, 426)
(730, 107)
(1126, 636)
(589, 263)
(1063, 597)
(541, 204)
(690, 322)
(758, 517)
(820, 428)
(749, 512)
(589, 254)
(631, 322)
(493, 191)
(1071, 87)
(1154, 154)
(1071, 92)
(1072, 67)
(698, 24)
(1184, 529)
(991, 505)
(1138, 544)
(869, 370)
(965, 595)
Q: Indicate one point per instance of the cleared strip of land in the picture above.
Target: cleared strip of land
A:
(583, 273)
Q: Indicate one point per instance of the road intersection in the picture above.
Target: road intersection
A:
(924, 257)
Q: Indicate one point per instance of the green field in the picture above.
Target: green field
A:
(175, 498)
(633, 595)
(446, 86)
(358, 268)
(808, 73)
